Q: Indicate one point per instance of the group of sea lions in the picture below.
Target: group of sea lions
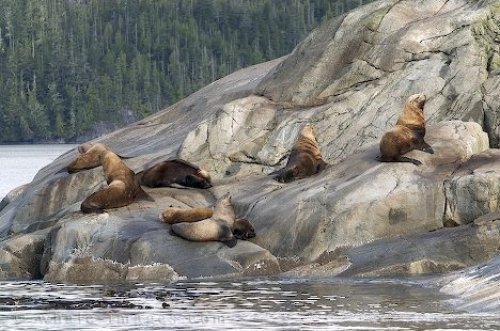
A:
(220, 223)
(124, 187)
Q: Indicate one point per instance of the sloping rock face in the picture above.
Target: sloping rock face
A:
(477, 286)
(349, 79)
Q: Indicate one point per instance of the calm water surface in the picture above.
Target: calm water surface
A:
(243, 305)
(265, 304)
(20, 163)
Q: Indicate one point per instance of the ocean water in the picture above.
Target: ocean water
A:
(242, 304)
(258, 304)
(20, 163)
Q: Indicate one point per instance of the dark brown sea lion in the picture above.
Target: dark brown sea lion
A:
(243, 230)
(407, 135)
(180, 172)
(217, 228)
(122, 189)
(305, 158)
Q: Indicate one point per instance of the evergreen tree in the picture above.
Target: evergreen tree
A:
(67, 65)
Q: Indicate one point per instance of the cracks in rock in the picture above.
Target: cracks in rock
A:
(374, 66)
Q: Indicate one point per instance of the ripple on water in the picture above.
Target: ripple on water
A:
(246, 305)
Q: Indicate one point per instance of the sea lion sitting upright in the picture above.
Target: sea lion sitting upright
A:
(167, 173)
(122, 189)
(89, 157)
(305, 158)
(217, 228)
(407, 135)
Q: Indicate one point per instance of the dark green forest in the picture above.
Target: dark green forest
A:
(68, 67)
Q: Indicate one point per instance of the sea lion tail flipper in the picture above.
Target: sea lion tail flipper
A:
(285, 175)
(143, 196)
(91, 205)
(321, 165)
(231, 242)
(408, 159)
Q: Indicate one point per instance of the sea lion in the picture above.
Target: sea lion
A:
(242, 229)
(217, 228)
(305, 158)
(407, 135)
(178, 215)
(167, 173)
(122, 189)
(89, 157)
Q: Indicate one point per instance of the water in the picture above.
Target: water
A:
(243, 305)
(249, 304)
(20, 163)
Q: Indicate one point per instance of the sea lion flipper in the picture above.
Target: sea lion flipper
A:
(108, 197)
(427, 148)
(143, 196)
(231, 242)
(408, 159)
(285, 175)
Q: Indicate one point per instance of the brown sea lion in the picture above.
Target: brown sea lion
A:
(242, 229)
(122, 189)
(407, 135)
(305, 158)
(171, 172)
(89, 157)
(217, 228)
(178, 215)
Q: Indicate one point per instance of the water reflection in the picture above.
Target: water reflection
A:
(244, 305)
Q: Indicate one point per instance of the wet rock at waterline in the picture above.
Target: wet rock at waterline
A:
(349, 79)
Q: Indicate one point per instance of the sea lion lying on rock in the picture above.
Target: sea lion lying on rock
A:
(305, 158)
(407, 135)
(167, 173)
(242, 229)
(219, 227)
(122, 189)
(179, 215)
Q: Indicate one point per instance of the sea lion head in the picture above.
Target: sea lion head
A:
(83, 148)
(206, 180)
(416, 101)
(225, 200)
(243, 229)
(308, 132)
(90, 157)
(223, 210)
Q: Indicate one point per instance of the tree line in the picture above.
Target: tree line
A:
(69, 66)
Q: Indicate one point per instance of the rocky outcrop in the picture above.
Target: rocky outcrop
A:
(477, 287)
(357, 217)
